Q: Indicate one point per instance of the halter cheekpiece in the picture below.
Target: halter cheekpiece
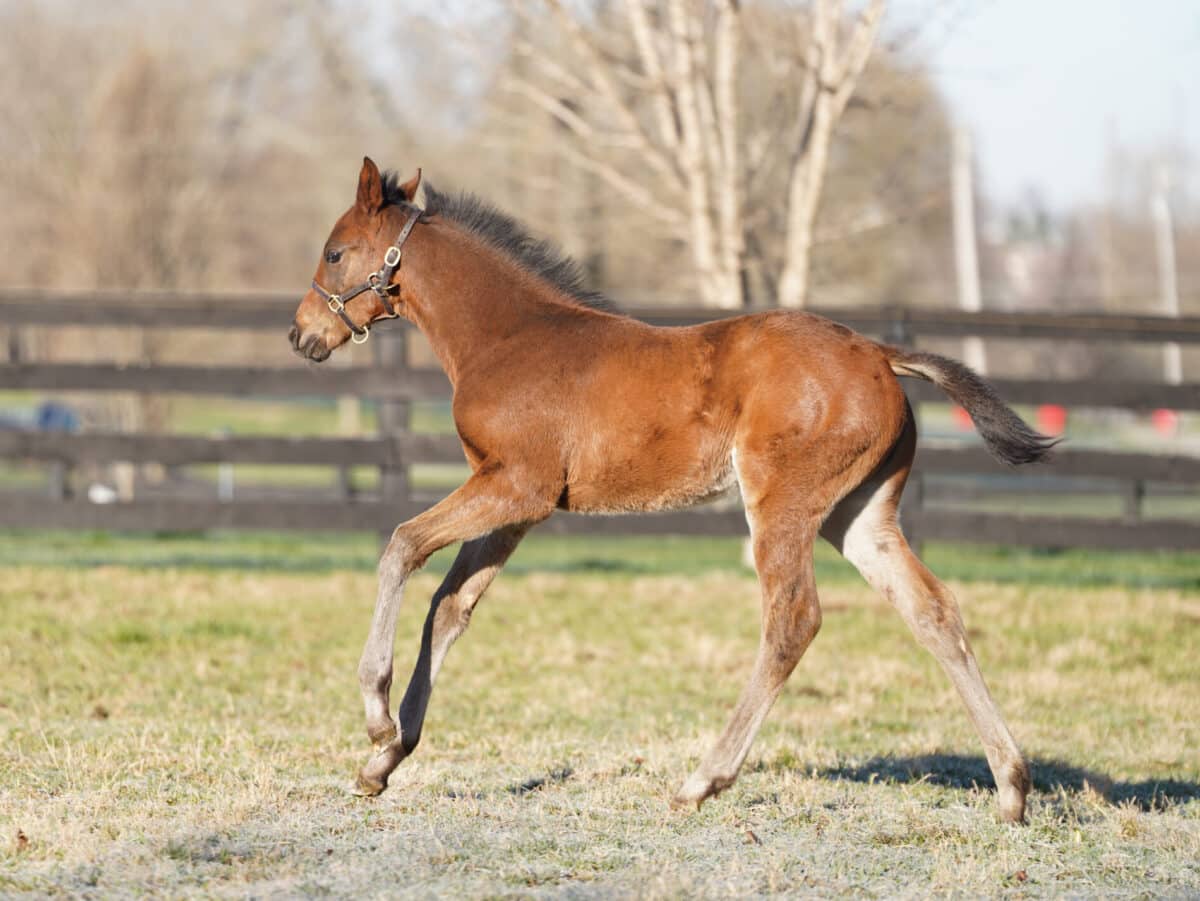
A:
(378, 282)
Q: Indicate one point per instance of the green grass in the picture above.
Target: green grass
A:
(629, 556)
(188, 732)
(198, 415)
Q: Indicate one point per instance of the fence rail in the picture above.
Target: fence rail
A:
(395, 385)
(98, 447)
(273, 312)
(424, 384)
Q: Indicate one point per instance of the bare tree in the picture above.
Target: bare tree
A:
(669, 97)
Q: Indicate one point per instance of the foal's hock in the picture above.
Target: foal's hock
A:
(562, 403)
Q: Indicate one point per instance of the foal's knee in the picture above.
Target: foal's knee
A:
(400, 558)
(374, 676)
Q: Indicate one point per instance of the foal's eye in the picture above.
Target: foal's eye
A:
(332, 256)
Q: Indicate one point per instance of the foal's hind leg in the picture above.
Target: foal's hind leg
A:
(863, 527)
(791, 616)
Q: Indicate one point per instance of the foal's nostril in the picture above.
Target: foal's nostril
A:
(294, 336)
(311, 347)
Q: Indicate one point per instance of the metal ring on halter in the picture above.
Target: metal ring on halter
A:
(365, 334)
(335, 303)
(390, 259)
(376, 283)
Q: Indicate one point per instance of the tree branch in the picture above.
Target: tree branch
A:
(605, 88)
(729, 195)
(629, 189)
(858, 52)
(663, 98)
(700, 210)
(830, 87)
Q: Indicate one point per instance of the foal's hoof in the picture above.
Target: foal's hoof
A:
(367, 787)
(1011, 795)
(1012, 806)
(697, 790)
(679, 802)
(373, 777)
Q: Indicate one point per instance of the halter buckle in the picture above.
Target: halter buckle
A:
(335, 303)
(392, 257)
(365, 334)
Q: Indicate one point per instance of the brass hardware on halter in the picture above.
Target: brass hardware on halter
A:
(378, 282)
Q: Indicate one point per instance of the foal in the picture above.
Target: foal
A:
(561, 403)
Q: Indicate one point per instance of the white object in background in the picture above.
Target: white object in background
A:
(99, 493)
(225, 482)
(966, 257)
(1168, 285)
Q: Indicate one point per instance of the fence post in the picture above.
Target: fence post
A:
(60, 480)
(391, 352)
(345, 480)
(1134, 491)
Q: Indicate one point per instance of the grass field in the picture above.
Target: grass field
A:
(181, 718)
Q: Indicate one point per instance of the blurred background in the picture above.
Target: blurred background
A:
(191, 516)
(948, 173)
(209, 153)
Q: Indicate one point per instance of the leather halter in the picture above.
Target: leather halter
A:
(378, 282)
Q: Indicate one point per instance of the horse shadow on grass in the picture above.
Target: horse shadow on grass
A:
(971, 771)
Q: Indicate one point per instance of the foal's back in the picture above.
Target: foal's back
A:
(671, 409)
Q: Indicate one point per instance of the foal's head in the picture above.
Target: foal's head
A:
(353, 258)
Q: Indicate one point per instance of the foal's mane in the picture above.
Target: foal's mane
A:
(502, 232)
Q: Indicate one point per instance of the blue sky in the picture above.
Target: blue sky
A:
(1045, 86)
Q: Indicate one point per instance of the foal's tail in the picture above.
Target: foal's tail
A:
(1007, 436)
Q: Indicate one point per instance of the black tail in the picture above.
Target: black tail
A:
(1007, 436)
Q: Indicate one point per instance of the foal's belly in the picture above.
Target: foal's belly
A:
(621, 484)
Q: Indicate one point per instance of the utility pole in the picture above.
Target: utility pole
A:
(965, 249)
(1168, 287)
(1108, 266)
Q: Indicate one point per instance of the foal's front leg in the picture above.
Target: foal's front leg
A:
(477, 564)
(482, 505)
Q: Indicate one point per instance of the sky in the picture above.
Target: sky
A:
(1045, 86)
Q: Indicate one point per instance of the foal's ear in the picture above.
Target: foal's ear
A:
(410, 187)
(370, 187)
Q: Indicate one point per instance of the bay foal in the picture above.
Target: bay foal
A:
(561, 403)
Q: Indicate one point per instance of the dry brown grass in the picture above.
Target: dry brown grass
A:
(190, 733)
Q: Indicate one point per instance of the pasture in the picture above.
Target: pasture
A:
(181, 718)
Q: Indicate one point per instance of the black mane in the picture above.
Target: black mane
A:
(501, 231)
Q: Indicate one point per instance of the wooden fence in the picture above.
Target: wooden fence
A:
(394, 385)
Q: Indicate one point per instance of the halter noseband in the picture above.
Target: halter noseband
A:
(378, 282)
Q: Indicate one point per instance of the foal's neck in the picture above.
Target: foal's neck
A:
(467, 297)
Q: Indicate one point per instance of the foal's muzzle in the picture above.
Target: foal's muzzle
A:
(311, 348)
